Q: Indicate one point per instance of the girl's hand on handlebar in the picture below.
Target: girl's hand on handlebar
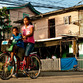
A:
(24, 37)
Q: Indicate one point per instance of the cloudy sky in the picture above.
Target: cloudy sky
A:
(43, 5)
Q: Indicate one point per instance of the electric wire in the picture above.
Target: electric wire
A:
(36, 4)
(79, 3)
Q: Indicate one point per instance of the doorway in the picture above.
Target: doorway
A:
(51, 28)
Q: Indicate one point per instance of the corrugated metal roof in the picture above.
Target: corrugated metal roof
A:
(60, 11)
(54, 13)
(26, 5)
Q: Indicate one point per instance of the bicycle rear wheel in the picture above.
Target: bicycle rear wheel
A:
(34, 67)
(5, 69)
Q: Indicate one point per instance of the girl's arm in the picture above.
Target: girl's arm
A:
(30, 33)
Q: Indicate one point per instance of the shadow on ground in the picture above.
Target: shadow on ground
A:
(55, 73)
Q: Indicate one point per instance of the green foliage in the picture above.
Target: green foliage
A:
(4, 20)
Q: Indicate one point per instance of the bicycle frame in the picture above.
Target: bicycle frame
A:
(22, 63)
(34, 66)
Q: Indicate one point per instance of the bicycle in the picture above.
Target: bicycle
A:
(7, 70)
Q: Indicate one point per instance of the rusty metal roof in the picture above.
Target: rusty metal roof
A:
(74, 8)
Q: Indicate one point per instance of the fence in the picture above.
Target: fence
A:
(55, 64)
(80, 64)
(50, 64)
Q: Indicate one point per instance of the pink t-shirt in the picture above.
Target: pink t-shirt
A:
(26, 31)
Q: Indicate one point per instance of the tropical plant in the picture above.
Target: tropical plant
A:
(4, 21)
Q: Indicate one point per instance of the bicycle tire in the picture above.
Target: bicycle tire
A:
(35, 67)
(6, 69)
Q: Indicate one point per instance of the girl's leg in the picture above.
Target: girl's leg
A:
(27, 62)
(29, 48)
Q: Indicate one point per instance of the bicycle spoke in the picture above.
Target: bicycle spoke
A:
(34, 67)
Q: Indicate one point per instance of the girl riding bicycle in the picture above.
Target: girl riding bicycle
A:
(28, 36)
(30, 61)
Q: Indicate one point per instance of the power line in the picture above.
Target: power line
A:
(10, 1)
(53, 7)
(79, 2)
(36, 4)
(58, 2)
(42, 5)
(59, 24)
(8, 4)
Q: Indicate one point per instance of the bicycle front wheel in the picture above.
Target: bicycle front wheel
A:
(34, 67)
(5, 69)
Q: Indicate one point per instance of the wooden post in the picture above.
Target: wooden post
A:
(59, 64)
(60, 50)
(40, 52)
(77, 51)
(74, 48)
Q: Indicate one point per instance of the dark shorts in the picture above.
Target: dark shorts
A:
(29, 48)
(19, 52)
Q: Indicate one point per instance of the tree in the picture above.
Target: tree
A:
(4, 21)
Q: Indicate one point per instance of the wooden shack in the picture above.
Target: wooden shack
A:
(66, 46)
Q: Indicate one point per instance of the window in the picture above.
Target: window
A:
(24, 14)
(51, 28)
(67, 20)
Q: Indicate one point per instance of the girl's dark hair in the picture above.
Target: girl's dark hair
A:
(28, 19)
(15, 28)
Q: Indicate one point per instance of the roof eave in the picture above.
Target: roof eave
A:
(26, 5)
(64, 10)
(55, 12)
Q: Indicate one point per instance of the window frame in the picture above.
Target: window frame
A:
(24, 14)
(67, 20)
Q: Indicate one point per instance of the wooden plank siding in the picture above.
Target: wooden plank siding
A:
(81, 21)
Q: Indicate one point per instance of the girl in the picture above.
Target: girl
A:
(28, 36)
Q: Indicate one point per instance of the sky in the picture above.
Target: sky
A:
(43, 6)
